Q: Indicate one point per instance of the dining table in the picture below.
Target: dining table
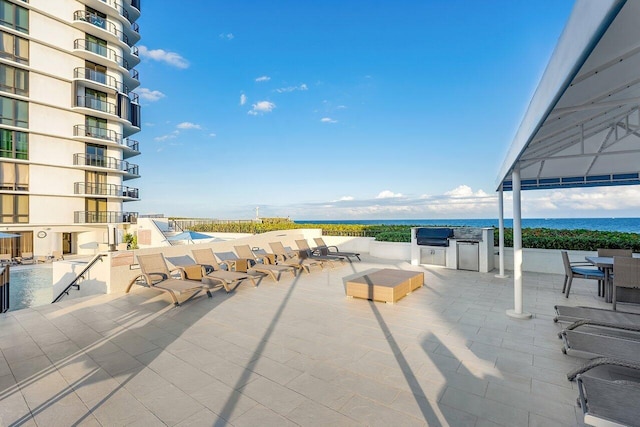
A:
(606, 264)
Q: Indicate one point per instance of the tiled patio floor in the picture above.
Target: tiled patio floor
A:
(297, 352)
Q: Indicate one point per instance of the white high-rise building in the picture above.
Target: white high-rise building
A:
(67, 114)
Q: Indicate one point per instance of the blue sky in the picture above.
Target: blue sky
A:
(341, 109)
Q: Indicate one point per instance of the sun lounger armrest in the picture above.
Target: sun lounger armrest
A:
(599, 361)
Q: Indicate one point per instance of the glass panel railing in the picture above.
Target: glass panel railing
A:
(102, 50)
(100, 22)
(103, 189)
(84, 159)
(132, 144)
(96, 104)
(98, 132)
(93, 217)
(98, 77)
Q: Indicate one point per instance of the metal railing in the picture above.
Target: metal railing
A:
(83, 159)
(133, 144)
(74, 283)
(119, 7)
(100, 22)
(99, 189)
(134, 74)
(4, 289)
(98, 77)
(98, 132)
(97, 104)
(102, 50)
(104, 217)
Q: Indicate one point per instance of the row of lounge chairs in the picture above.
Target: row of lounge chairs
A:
(246, 264)
(609, 382)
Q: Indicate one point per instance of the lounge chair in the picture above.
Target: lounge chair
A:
(333, 250)
(245, 253)
(307, 252)
(286, 257)
(6, 259)
(609, 392)
(57, 256)
(590, 339)
(26, 258)
(565, 313)
(211, 268)
(626, 274)
(156, 275)
(573, 270)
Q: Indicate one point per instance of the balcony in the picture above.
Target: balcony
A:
(100, 78)
(86, 20)
(93, 160)
(112, 190)
(96, 104)
(104, 217)
(93, 51)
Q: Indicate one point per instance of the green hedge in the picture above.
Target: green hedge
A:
(540, 238)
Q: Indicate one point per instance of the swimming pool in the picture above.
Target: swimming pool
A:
(30, 286)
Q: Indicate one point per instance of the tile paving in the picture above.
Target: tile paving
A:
(296, 352)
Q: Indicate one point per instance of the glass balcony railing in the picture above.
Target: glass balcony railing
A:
(98, 77)
(100, 22)
(101, 189)
(96, 104)
(104, 217)
(83, 159)
(98, 132)
(134, 74)
(132, 144)
(102, 50)
(119, 7)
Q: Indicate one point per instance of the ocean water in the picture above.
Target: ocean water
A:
(627, 225)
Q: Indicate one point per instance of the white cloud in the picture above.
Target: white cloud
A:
(188, 125)
(328, 120)
(386, 194)
(243, 99)
(212, 135)
(344, 199)
(263, 79)
(227, 37)
(302, 87)
(167, 136)
(162, 55)
(464, 191)
(262, 107)
(149, 95)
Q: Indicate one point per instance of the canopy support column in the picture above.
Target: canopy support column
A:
(517, 249)
(501, 232)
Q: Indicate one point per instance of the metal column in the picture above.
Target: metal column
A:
(517, 249)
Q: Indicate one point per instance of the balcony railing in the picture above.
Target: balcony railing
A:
(132, 144)
(98, 132)
(135, 27)
(100, 22)
(134, 74)
(104, 217)
(102, 50)
(83, 159)
(117, 6)
(99, 189)
(98, 77)
(96, 104)
(136, 4)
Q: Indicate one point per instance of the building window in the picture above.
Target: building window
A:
(14, 16)
(14, 112)
(96, 127)
(14, 208)
(14, 80)
(96, 45)
(14, 144)
(14, 176)
(14, 48)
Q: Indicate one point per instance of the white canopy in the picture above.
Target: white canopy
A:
(582, 127)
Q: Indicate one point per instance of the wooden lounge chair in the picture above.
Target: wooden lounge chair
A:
(333, 250)
(57, 256)
(253, 264)
(6, 259)
(571, 271)
(156, 275)
(211, 268)
(609, 392)
(291, 258)
(26, 258)
(307, 252)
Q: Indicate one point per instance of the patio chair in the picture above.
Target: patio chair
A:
(333, 250)
(291, 258)
(156, 275)
(6, 259)
(575, 270)
(253, 264)
(565, 313)
(608, 392)
(626, 274)
(614, 252)
(210, 268)
(307, 253)
(590, 339)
